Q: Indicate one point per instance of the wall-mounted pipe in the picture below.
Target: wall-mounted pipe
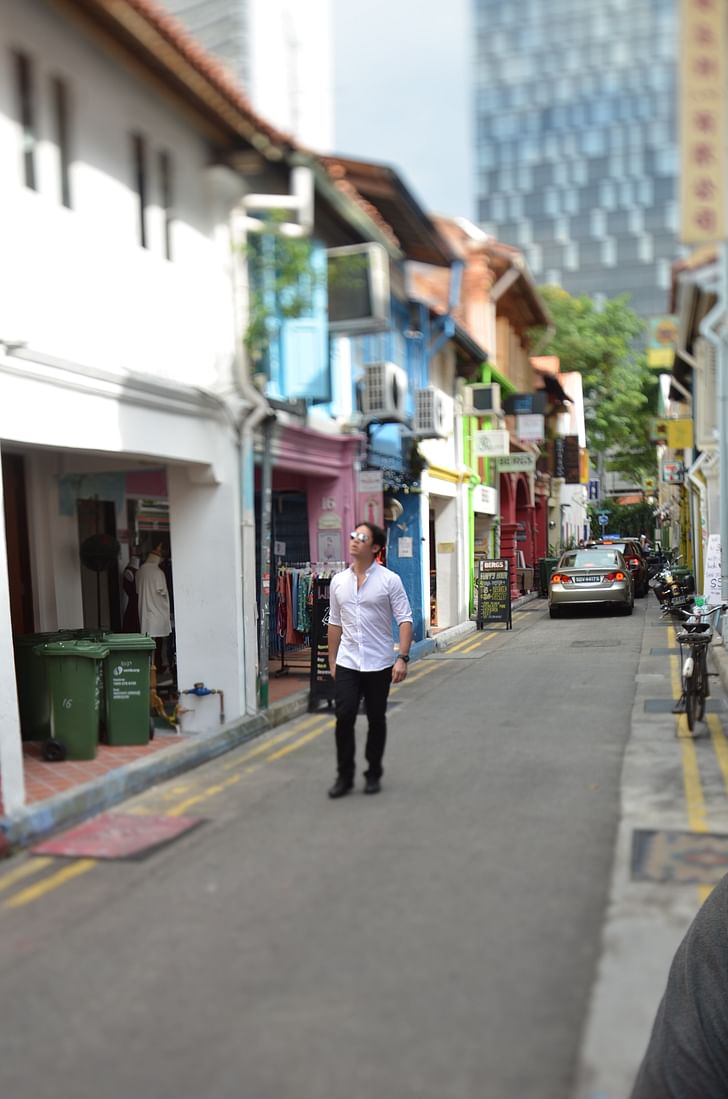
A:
(200, 691)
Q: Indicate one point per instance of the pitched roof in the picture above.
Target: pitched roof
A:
(385, 190)
(167, 48)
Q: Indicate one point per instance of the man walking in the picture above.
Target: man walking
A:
(363, 601)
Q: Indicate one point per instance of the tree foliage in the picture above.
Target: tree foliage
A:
(602, 342)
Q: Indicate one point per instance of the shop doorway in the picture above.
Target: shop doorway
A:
(18, 544)
(100, 590)
(433, 570)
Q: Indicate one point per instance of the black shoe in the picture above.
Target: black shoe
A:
(341, 787)
(372, 785)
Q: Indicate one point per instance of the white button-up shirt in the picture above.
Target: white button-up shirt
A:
(365, 615)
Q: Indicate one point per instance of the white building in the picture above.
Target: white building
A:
(121, 406)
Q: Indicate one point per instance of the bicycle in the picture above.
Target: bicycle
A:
(696, 634)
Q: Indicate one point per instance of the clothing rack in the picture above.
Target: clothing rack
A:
(290, 612)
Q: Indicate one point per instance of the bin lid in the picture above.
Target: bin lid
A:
(37, 638)
(91, 649)
(141, 642)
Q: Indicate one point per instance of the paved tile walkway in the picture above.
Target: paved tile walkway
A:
(43, 780)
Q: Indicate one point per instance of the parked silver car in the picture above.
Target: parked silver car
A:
(591, 577)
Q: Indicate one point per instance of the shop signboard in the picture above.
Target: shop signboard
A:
(677, 434)
(491, 444)
(493, 591)
(673, 473)
(702, 116)
(530, 428)
(712, 579)
(517, 463)
(322, 682)
(517, 404)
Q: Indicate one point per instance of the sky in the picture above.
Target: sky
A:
(402, 94)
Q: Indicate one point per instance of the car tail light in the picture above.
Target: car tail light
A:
(612, 576)
(633, 561)
(558, 578)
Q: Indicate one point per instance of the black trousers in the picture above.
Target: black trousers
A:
(350, 687)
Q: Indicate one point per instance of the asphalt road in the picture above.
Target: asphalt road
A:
(437, 941)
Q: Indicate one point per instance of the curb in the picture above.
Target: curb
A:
(39, 819)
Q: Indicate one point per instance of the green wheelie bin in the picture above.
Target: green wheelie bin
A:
(126, 687)
(74, 685)
(32, 683)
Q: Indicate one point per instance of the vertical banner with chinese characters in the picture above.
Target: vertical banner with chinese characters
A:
(702, 120)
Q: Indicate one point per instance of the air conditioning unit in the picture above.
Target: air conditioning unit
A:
(482, 400)
(384, 393)
(433, 413)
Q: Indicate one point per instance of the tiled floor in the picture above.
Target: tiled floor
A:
(43, 780)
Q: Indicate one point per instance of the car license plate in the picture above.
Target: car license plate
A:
(588, 579)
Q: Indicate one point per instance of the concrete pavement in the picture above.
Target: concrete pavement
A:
(670, 781)
(42, 818)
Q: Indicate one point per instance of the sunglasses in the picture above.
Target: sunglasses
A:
(357, 536)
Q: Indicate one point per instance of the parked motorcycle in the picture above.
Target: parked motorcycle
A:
(672, 590)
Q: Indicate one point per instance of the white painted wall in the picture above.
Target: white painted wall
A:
(77, 282)
(123, 348)
(11, 756)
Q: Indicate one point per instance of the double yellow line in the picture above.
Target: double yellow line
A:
(694, 796)
(269, 750)
(314, 727)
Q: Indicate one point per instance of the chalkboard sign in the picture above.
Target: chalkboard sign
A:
(493, 587)
(322, 681)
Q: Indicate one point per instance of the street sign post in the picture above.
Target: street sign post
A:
(603, 519)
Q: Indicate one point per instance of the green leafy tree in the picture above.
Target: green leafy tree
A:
(603, 343)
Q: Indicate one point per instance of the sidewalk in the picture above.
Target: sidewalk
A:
(672, 782)
(61, 794)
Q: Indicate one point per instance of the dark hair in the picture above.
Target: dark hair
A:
(379, 538)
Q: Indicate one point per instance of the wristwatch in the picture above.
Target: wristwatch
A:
(404, 656)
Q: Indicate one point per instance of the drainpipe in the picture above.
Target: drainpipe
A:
(699, 486)
(257, 413)
(712, 328)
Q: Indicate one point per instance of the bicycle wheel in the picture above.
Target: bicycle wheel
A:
(702, 683)
(691, 700)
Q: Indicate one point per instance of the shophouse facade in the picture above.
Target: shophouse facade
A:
(134, 176)
(689, 460)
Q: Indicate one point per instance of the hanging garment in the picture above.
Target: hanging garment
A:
(151, 586)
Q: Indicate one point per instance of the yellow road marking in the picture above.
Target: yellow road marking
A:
(454, 648)
(209, 792)
(270, 741)
(480, 642)
(300, 742)
(55, 881)
(691, 772)
(26, 870)
(420, 675)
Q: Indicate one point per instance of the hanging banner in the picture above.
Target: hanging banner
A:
(702, 109)
(370, 497)
(712, 579)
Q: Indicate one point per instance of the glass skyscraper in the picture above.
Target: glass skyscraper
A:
(576, 141)
(221, 26)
